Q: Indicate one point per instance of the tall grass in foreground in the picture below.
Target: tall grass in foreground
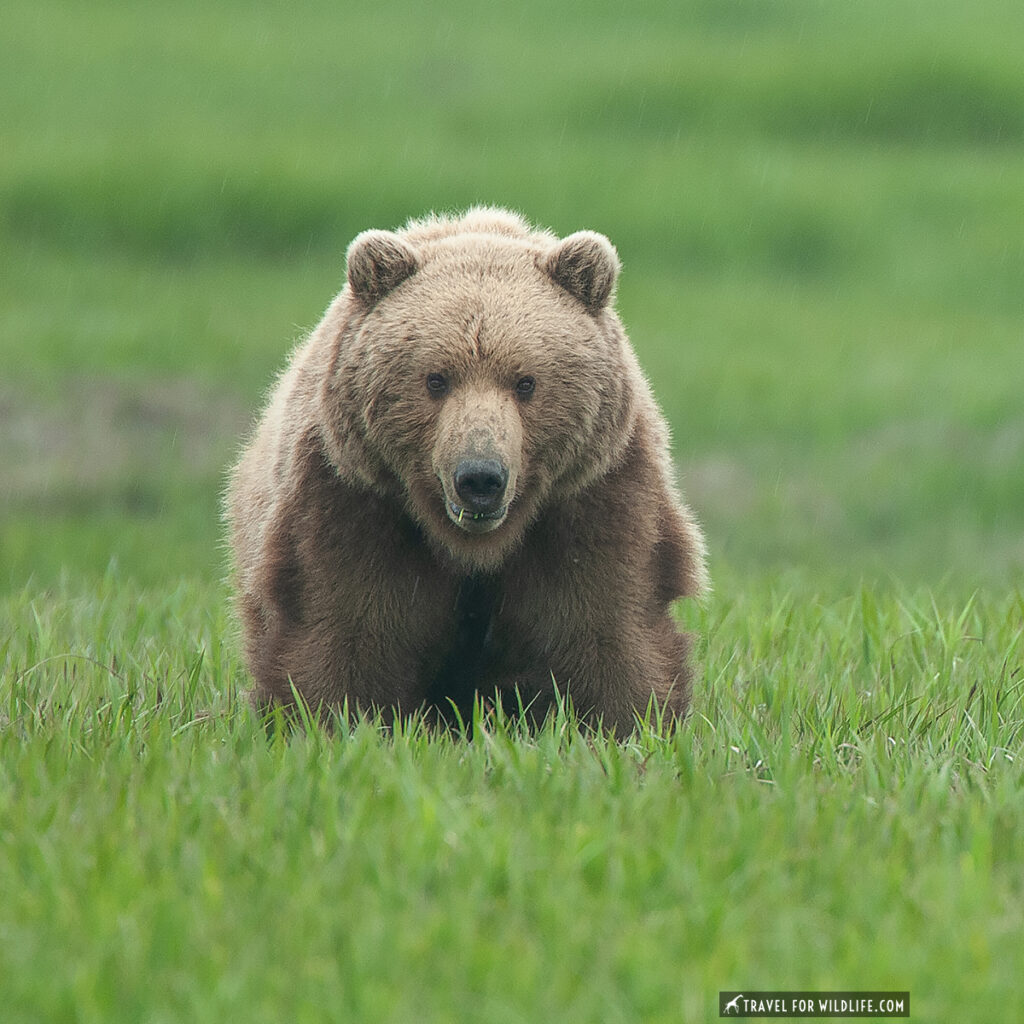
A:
(843, 809)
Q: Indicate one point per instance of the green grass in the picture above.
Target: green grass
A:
(843, 810)
(818, 210)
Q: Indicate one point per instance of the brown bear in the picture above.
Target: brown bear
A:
(461, 486)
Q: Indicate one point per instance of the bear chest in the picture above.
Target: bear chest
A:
(469, 648)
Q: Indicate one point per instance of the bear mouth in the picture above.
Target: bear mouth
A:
(475, 522)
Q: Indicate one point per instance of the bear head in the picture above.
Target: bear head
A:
(478, 375)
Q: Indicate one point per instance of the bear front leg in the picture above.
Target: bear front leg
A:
(591, 608)
(344, 612)
(626, 674)
(609, 676)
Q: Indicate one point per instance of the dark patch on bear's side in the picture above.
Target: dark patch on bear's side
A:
(465, 662)
(284, 580)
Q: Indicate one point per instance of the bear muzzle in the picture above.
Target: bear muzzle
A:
(480, 487)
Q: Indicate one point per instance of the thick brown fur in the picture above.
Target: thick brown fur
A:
(362, 578)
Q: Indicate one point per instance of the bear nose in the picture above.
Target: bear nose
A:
(480, 483)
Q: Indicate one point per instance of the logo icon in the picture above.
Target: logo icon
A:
(733, 1006)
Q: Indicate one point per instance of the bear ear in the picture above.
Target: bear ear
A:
(585, 265)
(377, 262)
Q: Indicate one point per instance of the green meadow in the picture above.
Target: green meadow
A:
(820, 213)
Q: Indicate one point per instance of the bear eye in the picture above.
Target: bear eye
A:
(437, 384)
(525, 387)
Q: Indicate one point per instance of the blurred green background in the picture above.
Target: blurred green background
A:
(819, 207)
